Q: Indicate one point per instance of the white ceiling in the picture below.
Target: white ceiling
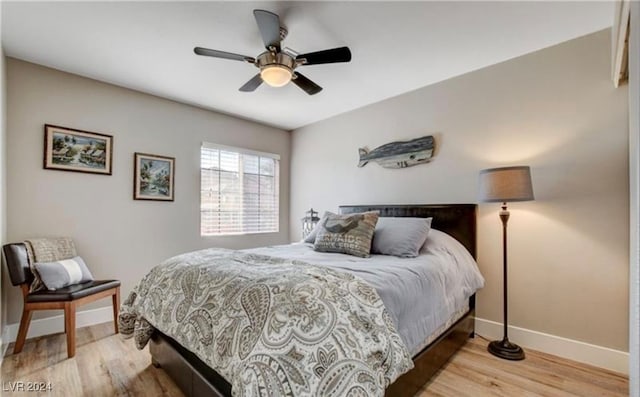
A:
(397, 47)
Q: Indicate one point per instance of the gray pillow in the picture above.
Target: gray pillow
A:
(63, 273)
(400, 236)
(311, 238)
(347, 234)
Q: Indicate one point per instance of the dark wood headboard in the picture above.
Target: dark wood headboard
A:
(457, 220)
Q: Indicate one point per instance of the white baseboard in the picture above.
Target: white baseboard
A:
(603, 357)
(55, 324)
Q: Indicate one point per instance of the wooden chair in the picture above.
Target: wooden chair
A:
(67, 299)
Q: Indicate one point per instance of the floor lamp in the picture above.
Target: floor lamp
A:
(504, 185)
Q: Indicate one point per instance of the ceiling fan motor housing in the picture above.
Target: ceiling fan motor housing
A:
(283, 32)
(269, 58)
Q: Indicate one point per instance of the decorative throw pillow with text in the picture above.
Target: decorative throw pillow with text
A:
(347, 234)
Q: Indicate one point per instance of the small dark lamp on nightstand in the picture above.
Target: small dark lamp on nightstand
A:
(504, 185)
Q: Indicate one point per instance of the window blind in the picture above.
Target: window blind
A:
(238, 191)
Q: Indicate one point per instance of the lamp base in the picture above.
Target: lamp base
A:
(505, 349)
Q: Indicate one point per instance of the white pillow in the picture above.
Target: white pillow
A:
(439, 240)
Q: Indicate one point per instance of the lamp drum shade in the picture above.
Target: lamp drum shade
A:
(506, 184)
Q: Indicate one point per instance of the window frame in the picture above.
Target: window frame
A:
(243, 151)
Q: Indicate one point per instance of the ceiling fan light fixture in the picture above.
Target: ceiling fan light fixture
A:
(276, 75)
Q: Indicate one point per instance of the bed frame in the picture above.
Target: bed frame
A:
(195, 378)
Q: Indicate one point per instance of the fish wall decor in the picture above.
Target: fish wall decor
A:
(400, 154)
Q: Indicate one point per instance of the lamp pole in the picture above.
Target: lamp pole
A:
(504, 348)
(504, 217)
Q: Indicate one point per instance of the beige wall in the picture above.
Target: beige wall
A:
(117, 236)
(555, 110)
(3, 193)
(634, 168)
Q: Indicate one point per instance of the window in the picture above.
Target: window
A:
(238, 191)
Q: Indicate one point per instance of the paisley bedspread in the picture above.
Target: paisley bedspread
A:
(270, 326)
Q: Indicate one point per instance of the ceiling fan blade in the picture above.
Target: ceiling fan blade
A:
(307, 85)
(252, 84)
(334, 55)
(221, 54)
(269, 25)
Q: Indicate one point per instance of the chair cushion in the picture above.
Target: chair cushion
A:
(72, 292)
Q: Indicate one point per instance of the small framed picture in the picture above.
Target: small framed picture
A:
(68, 149)
(153, 177)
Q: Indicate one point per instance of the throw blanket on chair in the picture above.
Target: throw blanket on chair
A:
(41, 250)
(270, 326)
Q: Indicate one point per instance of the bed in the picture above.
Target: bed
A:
(196, 378)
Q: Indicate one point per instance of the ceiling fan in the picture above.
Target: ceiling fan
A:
(277, 66)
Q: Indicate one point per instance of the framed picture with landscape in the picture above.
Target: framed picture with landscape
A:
(68, 149)
(153, 177)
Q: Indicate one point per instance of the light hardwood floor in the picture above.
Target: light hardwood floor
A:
(106, 365)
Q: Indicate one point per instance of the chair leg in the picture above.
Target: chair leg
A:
(22, 332)
(70, 327)
(116, 307)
